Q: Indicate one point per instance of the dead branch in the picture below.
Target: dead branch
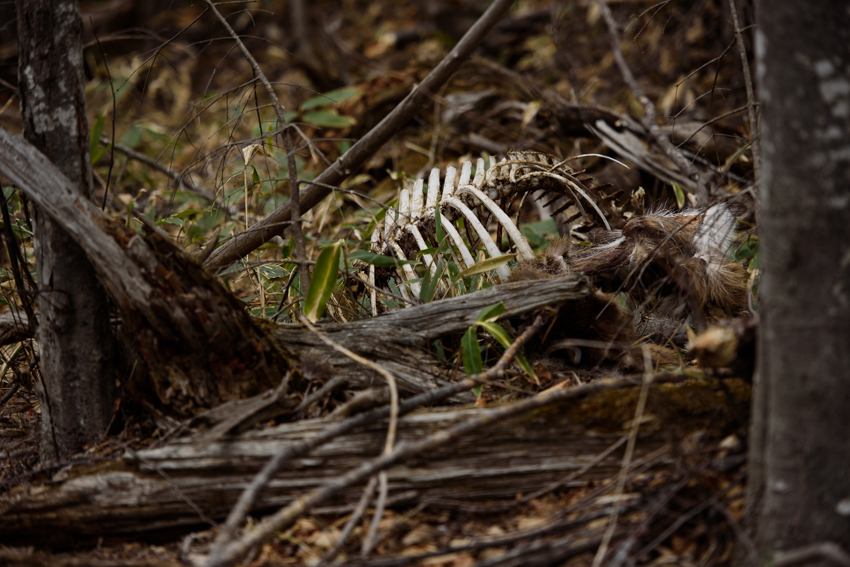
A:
(15, 327)
(130, 497)
(405, 450)
(650, 118)
(200, 345)
(249, 497)
(365, 147)
(751, 96)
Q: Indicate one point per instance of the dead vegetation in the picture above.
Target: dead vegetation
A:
(247, 430)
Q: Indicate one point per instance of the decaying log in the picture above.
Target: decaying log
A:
(163, 491)
(200, 345)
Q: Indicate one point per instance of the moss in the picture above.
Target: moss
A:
(711, 405)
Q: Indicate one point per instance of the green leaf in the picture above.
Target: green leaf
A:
(327, 99)
(491, 313)
(441, 237)
(378, 260)
(680, 195)
(430, 282)
(498, 332)
(501, 335)
(96, 131)
(540, 233)
(323, 282)
(273, 272)
(487, 265)
(133, 136)
(188, 212)
(329, 119)
(471, 352)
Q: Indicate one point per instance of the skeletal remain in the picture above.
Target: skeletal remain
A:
(411, 228)
(672, 265)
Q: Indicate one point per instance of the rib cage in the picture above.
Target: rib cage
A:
(410, 229)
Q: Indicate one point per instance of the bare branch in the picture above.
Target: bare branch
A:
(250, 495)
(650, 117)
(222, 557)
(367, 146)
(294, 194)
(751, 96)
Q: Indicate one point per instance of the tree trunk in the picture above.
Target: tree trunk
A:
(76, 345)
(800, 459)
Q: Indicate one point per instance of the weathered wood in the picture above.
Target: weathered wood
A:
(401, 340)
(131, 496)
(200, 345)
(148, 493)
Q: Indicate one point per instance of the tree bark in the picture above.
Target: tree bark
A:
(76, 345)
(800, 459)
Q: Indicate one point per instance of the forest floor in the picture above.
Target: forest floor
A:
(182, 105)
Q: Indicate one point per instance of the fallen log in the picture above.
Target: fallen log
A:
(162, 492)
(401, 341)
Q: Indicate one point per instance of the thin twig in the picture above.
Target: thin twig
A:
(16, 261)
(650, 118)
(751, 96)
(627, 457)
(294, 194)
(572, 476)
(369, 144)
(685, 517)
(331, 385)
(822, 550)
(229, 554)
(114, 112)
(352, 521)
(370, 541)
(740, 534)
(179, 178)
(10, 394)
(250, 495)
(392, 427)
(388, 376)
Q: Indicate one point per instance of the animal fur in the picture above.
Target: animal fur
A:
(672, 266)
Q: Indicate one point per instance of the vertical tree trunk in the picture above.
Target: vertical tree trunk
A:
(801, 458)
(75, 342)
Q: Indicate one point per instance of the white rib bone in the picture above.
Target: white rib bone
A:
(427, 258)
(433, 190)
(465, 172)
(458, 241)
(416, 209)
(513, 232)
(404, 208)
(373, 294)
(408, 272)
(449, 184)
(482, 232)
